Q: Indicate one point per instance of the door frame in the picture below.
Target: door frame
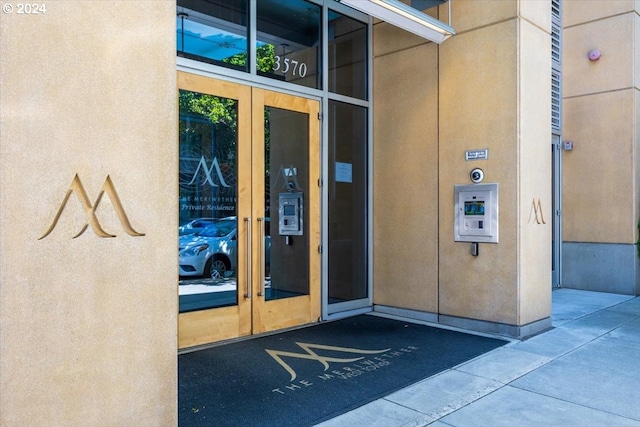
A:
(300, 309)
(251, 315)
(202, 327)
(556, 195)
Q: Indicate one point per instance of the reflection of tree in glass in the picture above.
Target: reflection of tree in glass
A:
(208, 127)
(264, 58)
(221, 114)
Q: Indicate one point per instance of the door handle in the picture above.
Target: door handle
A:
(247, 220)
(261, 256)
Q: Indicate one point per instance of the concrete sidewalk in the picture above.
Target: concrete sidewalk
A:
(584, 372)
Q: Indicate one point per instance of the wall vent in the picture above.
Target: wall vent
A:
(556, 67)
(556, 101)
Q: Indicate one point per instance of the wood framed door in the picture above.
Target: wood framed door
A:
(286, 162)
(240, 148)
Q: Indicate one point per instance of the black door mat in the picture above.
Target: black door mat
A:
(305, 376)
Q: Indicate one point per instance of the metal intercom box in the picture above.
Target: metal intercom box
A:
(476, 213)
(290, 213)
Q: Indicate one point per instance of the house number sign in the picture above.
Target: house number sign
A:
(287, 65)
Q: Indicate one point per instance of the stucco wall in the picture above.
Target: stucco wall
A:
(599, 116)
(601, 178)
(478, 107)
(480, 89)
(406, 175)
(533, 227)
(88, 324)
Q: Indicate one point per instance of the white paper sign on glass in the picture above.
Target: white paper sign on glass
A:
(344, 172)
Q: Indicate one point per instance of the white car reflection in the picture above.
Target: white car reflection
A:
(195, 226)
(212, 252)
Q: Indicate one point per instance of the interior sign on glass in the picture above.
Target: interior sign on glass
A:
(344, 172)
(477, 154)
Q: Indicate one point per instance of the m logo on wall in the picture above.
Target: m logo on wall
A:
(90, 209)
(535, 214)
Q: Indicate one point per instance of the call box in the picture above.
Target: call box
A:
(476, 213)
(290, 209)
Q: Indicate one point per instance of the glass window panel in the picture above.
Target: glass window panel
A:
(207, 250)
(214, 31)
(286, 160)
(347, 56)
(347, 202)
(288, 41)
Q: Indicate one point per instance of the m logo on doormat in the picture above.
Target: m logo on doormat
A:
(312, 355)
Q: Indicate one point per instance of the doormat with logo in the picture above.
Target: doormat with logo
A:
(306, 376)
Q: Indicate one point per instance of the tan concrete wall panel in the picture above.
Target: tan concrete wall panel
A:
(493, 93)
(405, 179)
(536, 13)
(598, 173)
(615, 68)
(636, 48)
(535, 197)
(601, 179)
(636, 158)
(467, 15)
(390, 39)
(636, 122)
(478, 109)
(577, 12)
(88, 325)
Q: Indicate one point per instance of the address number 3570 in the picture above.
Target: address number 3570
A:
(287, 65)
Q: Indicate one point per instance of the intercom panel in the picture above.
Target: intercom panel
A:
(476, 213)
(290, 213)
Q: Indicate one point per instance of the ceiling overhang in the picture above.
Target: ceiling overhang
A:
(409, 18)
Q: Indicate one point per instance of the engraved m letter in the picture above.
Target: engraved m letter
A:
(90, 209)
(536, 212)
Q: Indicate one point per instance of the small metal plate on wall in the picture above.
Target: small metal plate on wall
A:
(476, 154)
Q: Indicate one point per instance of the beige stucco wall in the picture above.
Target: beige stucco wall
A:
(478, 107)
(406, 177)
(88, 325)
(480, 89)
(576, 12)
(534, 163)
(600, 186)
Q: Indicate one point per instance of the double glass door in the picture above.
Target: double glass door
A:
(249, 210)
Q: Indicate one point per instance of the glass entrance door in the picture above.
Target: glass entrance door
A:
(249, 210)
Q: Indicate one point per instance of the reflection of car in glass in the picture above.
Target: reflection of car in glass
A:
(211, 252)
(195, 225)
